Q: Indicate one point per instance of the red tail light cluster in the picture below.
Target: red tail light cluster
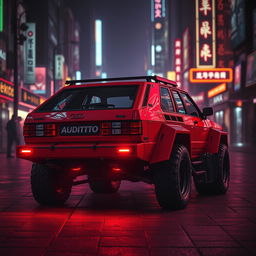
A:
(39, 130)
(121, 128)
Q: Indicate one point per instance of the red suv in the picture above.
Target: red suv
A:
(136, 129)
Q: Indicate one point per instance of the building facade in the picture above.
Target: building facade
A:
(41, 39)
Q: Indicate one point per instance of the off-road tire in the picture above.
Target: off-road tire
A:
(50, 187)
(104, 186)
(172, 179)
(219, 167)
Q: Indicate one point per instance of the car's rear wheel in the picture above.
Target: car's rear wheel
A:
(104, 186)
(50, 187)
(173, 180)
(219, 170)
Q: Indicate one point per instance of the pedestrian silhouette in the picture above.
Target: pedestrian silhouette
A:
(12, 135)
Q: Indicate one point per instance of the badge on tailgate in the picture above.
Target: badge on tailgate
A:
(79, 130)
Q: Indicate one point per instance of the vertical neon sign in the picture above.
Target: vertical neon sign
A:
(98, 42)
(205, 34)
(177, 60)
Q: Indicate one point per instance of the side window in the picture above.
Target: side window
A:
(166, 102)
(179, 103)
(190, 107)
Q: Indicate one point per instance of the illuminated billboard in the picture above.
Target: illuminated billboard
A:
(217, 90)
(224, 53)
(158, 9)
(251, 69)
(205, 34)
(30, 54)
(39, 87)
(238, 30)
(210, 75)
(185, 49)
(98, 42)
(6, 89)
(237, 77)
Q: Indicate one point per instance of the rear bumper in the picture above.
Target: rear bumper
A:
(43, 152)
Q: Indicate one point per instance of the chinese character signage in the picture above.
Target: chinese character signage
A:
(59, 62)
(177, 60)
(29, 98)
(6, 89)
(205, 34)
(238, 29)
(223, 51)
(39, 87)
(30, 54)
(210, 75)
(158, 9)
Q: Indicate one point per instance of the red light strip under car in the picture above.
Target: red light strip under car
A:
(26, 151)
(124, 150)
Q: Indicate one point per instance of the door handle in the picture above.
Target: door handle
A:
(195, 122)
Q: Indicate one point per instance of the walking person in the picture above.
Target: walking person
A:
(12, 135)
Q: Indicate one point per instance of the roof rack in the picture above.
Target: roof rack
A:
(147, 78)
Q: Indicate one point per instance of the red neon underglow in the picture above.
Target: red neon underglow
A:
(26, 151)
(123, 150)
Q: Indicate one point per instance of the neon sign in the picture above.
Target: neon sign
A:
(205, 34)
(212, 75)
(6, 89)
(177, 60)
(158, 9)
(223, 51)
(217, 90)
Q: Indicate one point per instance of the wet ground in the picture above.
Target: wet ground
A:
(130, 222)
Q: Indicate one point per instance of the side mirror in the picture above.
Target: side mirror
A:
(207, 111)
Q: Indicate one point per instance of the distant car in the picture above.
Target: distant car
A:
(137, 129)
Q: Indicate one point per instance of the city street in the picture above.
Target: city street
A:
(129, 222)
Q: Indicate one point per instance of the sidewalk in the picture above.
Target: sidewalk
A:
(127, 223)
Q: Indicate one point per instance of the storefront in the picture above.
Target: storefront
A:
(218, 98)
(6, 106)
(28, 101)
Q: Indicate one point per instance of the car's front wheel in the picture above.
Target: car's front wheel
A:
(172, 179)
(50, 187)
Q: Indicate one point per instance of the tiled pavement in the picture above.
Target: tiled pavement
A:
(130, 222)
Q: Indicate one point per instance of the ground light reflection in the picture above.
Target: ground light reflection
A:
(129, 222)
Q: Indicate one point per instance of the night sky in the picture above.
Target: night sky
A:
(126, 28)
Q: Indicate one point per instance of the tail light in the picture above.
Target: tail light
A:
(121, 128)
(39, 130)
(26, 151)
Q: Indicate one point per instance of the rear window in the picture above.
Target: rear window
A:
(92, 98)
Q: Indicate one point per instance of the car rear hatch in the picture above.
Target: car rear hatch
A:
(87, 114)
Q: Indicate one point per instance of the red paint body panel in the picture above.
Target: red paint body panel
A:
(152, 145)
(163, 148)
(214, 138)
